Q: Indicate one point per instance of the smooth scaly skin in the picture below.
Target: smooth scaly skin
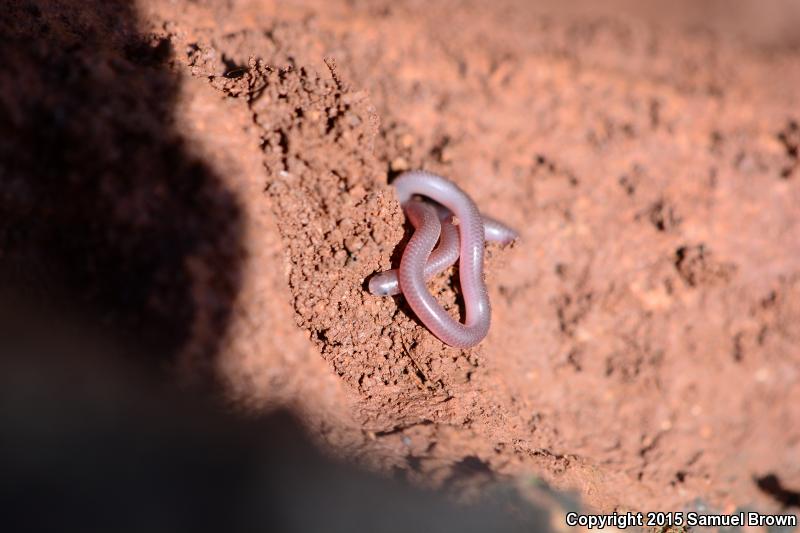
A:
(498, 232)
(412, 282)
(445, 254)
(471, 243)
(386, 283)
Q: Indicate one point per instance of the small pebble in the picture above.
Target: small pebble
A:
(399, 164)
(353, 244)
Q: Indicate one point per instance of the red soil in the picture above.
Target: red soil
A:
(644, 345)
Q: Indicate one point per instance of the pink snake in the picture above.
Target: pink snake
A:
(420, 261)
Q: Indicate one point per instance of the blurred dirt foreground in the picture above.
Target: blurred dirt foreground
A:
(644, 345)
